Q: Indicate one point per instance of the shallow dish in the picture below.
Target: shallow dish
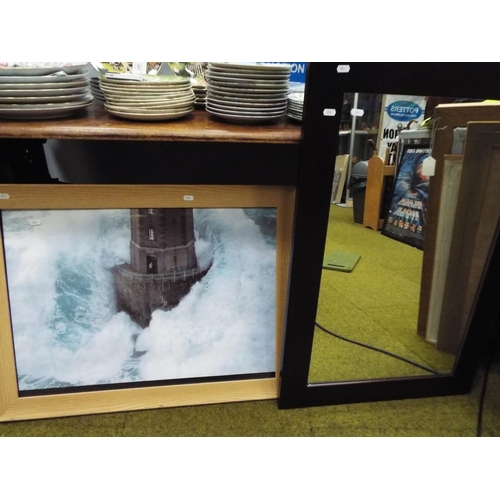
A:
(151, 109)
(244, 120)
(238, 73)
(63, 78)
(153, 102)
(146, 80)
(267, 92)
(45, 92)
(250, 114)
(247, 102)
(247, 83)
(43, 86)
(45, 99)
(68, 68)
(32, 112)
(256, 67)
(150, 116)
(247, 110)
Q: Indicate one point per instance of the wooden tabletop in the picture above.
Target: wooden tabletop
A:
(95, 123)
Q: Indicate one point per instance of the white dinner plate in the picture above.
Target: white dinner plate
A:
(139, 97)
(268, 78)
(145, 91)
(294, 117)
(217, 109)
(296, 97)
(158, 108)
(259, 103)
(270, 98)
(40, 112)
(62, 78)
(243, 119)
(237, 73)
(247, 91)
(43, 86)
(45, 92)
(68, 68)
(146, 80)
(150, 116)
(151, 102)
(247, 83)
(281, 68)
(247, 109)
(45, 99)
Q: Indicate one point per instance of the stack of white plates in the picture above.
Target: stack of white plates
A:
(200, 91)
(43, 90)
(247, 92)
(295, 106)
(146, 97)
(96, 89)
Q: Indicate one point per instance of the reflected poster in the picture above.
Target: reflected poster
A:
(406, 217)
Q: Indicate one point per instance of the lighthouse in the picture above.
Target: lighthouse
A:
(163, 264)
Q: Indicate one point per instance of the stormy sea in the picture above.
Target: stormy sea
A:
(66, 327)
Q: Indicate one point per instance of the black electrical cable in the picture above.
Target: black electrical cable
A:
(377, 350)
(494, 349)
(479, 430)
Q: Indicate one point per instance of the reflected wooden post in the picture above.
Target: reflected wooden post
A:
(375, 182)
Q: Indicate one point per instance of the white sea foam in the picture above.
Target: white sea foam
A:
(226, 324)
(67, 330)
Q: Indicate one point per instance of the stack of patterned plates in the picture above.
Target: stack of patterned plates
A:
(146, 97)
(148, 68)
(43, 90)
(96, 89)
(195, 71)
(247, 92)
(296, 106)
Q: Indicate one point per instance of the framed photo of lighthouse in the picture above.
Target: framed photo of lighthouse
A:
(117, 298)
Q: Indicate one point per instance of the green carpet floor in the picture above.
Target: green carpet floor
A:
(441, 416)
(376, 304)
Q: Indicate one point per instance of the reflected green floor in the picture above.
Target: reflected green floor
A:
(376, 304)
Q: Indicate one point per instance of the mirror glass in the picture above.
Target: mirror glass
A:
(370, 321)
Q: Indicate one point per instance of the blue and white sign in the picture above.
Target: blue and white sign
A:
(404, 111)
(400, 112)
(298, 73)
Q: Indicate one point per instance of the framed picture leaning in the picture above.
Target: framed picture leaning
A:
(131, 297)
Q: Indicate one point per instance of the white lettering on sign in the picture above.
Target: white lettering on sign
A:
(357, 112)
(298, 68)
(343, 68)
(404, 109)
(329, 112)
(4, 196)
(188, 197)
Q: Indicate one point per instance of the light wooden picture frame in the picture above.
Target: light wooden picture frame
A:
(63, 214)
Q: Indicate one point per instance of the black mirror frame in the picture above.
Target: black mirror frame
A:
(326, 84)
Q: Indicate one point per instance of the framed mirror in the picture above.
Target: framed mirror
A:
(392, 285)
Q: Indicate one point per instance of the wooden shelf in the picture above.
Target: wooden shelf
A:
(96, 123)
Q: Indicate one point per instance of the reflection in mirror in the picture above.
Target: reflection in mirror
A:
(371, 320)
